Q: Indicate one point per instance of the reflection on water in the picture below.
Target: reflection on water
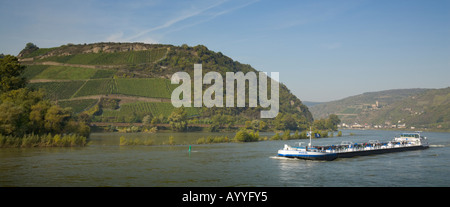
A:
(105, 163)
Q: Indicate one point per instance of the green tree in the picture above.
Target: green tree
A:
(290, 122)
(245, 135)
(29, 48)
(155, 120)
(287, 134)
(320, 124)
(279, 122)
(219, 121)
(23, 111)
(248, 124)
(11, 117)
(332, 122)
(78, 127)
(262, 125)
(56, 119)
(171, 140)
(10, 74)
(147, 119)
(178, 119)
(16, 106)
(37, 116)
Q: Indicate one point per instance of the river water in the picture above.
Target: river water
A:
(105, 163)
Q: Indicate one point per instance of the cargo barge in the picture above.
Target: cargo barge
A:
(405, 142)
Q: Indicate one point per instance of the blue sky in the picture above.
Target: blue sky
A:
(323, 50)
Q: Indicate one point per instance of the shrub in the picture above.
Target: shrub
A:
(276, 137)
(46, 140)
(244, 135)
(201, 140)
(171, 140)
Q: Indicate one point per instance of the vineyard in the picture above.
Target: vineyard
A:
(117, 58)
(66, 73)
(125, 82)
(69, 92)
(132, 112)
(78, 105)
(96, 87)
(146, 87)
(33, 70)
(154, 108)
(58, 90)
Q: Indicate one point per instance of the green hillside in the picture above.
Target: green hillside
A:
(430, 109)
(124, 82)
(402, 108)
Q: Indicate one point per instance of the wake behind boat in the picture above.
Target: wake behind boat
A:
(405, 142)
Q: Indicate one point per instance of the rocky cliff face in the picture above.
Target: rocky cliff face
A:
(71, 49)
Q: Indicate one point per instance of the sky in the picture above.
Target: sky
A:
(323, 50)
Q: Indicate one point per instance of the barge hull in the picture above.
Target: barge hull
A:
(327, 157)
(379, 151)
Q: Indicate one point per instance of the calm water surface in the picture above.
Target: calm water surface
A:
(105, 163)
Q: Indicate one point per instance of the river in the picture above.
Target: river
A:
(105, 163)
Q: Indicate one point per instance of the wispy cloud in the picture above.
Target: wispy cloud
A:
(115, 37)
(187, 14)
(208, 16)
(186, 18)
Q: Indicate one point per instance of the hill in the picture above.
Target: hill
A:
(125, 82)
(427, 110)
(311, 103)
(400, 108)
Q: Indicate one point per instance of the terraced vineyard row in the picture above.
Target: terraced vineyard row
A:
(78, 105)
(141, 109)
(65, 73)
(154, 108)
(117, 58)
(58, 90)
(97, 87)
(145, 87)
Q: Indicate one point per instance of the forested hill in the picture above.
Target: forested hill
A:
(130, 82)
(400, 108)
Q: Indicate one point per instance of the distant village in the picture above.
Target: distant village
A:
(386, 125)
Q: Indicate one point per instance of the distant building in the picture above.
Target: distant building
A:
(357, 126)
(376, 105)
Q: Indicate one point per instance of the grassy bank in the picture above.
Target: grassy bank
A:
(241, 136)
(47, 140)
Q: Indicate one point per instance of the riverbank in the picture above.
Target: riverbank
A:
(400, 129)
(47, 140)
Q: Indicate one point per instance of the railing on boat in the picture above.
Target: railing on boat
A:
(346, 146)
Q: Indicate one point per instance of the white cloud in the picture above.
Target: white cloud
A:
(203, 13)
(185, 15)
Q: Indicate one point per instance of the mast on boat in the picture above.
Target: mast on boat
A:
(310, 135)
